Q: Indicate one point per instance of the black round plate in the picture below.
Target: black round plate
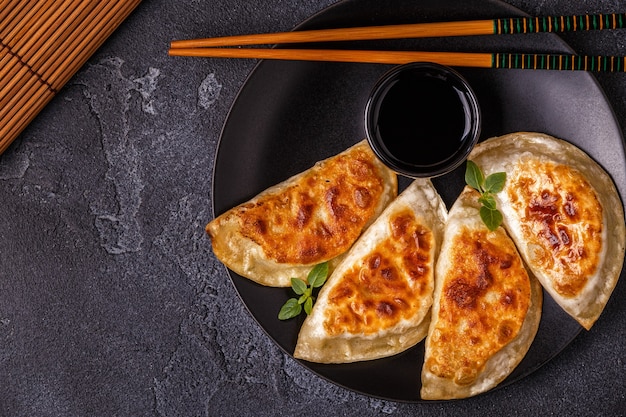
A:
(291, 114)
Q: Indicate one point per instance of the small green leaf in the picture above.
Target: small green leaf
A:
(303, 298)
(298, 286)
(488, 201)
(308, 305)
(473, 176)
(293, 307)
(494, 183)
(491, 218)
(318, 274)
(290, 309)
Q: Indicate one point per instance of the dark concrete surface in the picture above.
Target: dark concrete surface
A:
(111, 302)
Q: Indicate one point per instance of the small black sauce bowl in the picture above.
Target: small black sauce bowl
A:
(443, 155)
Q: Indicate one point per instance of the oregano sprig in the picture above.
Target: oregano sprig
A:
(294, 306)
(487, 187)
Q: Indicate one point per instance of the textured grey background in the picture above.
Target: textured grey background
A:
(111, 303)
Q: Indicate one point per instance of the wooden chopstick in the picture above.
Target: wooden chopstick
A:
(336, 55)
(215, 47)
(458, 59)
(516, 25)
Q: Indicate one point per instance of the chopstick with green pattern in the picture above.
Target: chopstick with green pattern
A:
(515, 25)
(559, 62)
(221, 47)
(458, 59)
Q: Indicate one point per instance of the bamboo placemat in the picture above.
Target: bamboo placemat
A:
(43, 43)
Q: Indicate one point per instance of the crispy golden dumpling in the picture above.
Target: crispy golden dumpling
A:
(377, 301)
(310, 218)
(486, 308)
(565, 215)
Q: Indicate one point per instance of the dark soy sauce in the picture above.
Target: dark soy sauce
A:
(423, 122)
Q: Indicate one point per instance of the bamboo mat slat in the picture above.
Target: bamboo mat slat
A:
(43, 43)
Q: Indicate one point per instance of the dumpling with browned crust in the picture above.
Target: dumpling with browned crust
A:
(565, 215)
(310, 218)
(486, 308)
(377, 301)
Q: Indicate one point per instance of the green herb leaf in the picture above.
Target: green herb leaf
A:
(494, 183)
(303, 298)
(317, 276)
(474, 176)
(488, 201)
(308, 305)
(491, 217)
(290, 309)
(315, 279)
(298, 286)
